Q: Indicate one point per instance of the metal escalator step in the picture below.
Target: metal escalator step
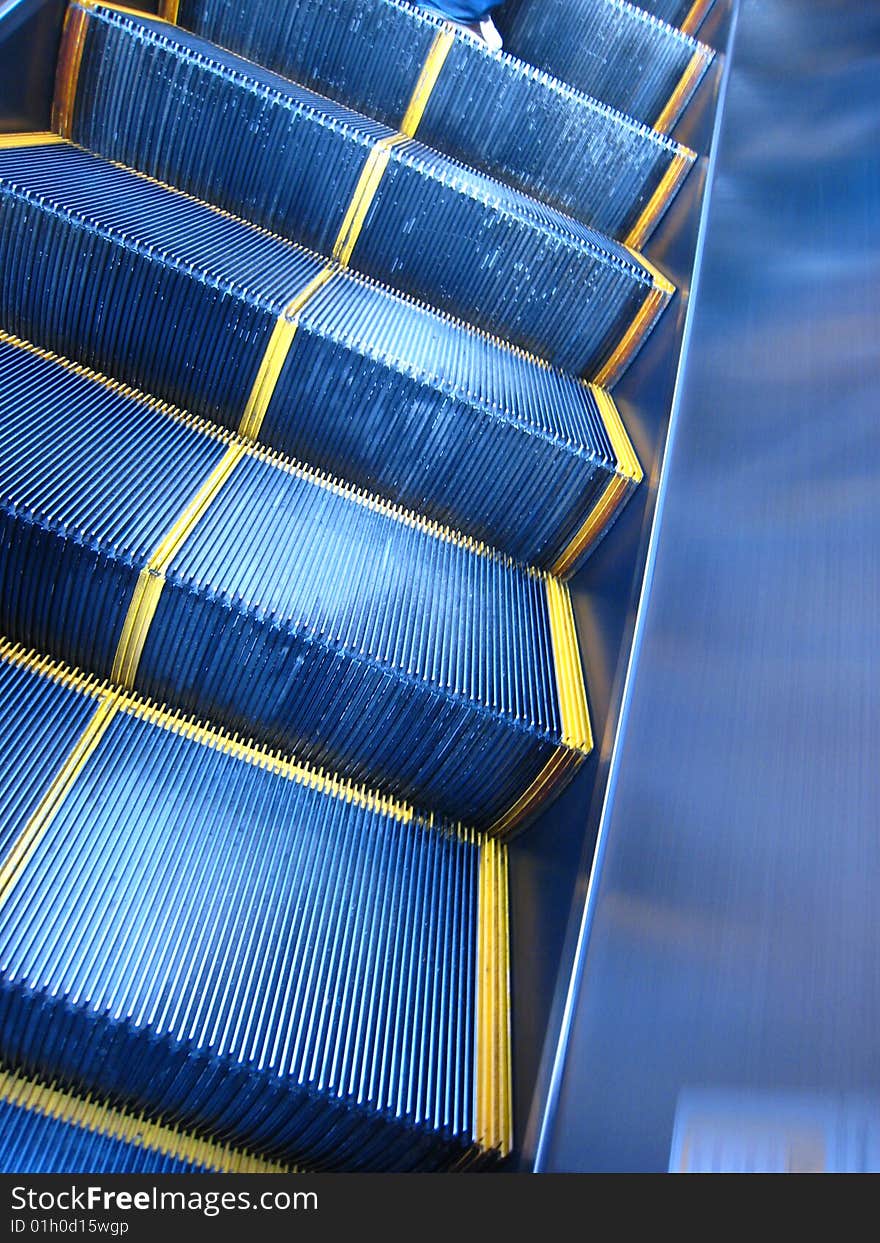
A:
(395, 62)
(212, 939)
(145, 284)
(149, 547)
(610, 49)
(46, 1130)
(165, 101)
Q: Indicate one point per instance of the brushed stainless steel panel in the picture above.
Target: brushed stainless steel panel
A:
(732, 937)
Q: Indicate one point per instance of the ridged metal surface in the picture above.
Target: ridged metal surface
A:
(449, 421)
(491, 112)
(333, 287)
(249, 141)
(607, 48)
(731, 943)
(233, 947)
(293, 610)
(35, 1143)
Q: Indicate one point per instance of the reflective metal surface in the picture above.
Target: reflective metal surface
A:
(550, 863)
(732, 929)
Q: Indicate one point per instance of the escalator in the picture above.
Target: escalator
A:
(310, 317)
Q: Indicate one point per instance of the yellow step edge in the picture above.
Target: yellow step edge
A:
(151, 580)
(612, 497)
(205, 734)
(90, 1114)
(211, 430)
(21, 657)
(280, 461)
(628, 463)
(654, 302)
(694, 18)
(575, 718)
(261, 756)
(168, 10)
(661, 282)
(364, 193)
(537, 793)
(275, 356)
(35, 138)
(70, 54)
(628, 473)
(445, 316)
(32, 834)
(666, 190)
(492, 1077)
(427, 79)
(675, 104)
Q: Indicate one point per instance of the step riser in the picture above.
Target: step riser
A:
(279, 605)
(44, 1130)
(195, 931)
(499, 447)
(609, 49)
(488, 111)
(352, 189)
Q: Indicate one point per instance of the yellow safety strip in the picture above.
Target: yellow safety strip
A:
(620, 442)
(20, 657)
(31, 835)
(645, 318)
(133, 704)
(275, 356)
(661, 198)
(537, 793)
(600, 515)
(168, 10)
(572, 694)
(131, 1128)
(694, 19)
(661, 282)
(627, 474)
(352, 223)
(37, 139)
(492, 1078)
(279, 461)
(577, 734)
(151, 579)
(682, 93)
(70, 54)
(427, 80)
(218, 739)
(365, 192)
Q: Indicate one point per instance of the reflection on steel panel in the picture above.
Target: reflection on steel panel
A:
(732, 936)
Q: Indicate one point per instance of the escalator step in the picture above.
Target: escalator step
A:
(145, 284)
(147, 546)
(45, 1130)
(395, 62)
(610, 49)
(217, 940)
(162, 100)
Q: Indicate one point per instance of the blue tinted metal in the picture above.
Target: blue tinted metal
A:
(242, 952)
(492, 112)
(267, 149)
(172, 296)
(732, 932)
(608, 48)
